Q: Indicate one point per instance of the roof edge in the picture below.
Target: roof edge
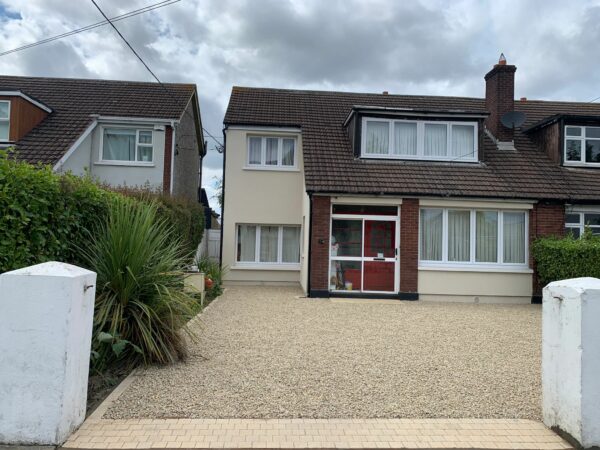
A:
(30, 99)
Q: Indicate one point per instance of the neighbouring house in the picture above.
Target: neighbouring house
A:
(122, 133)
(416, 197)
(211, 217)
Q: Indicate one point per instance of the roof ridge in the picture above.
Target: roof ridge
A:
(66, 79)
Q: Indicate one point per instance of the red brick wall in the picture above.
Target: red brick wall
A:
(499, 99)
(319, 243)
(409, 245)
(544, 220)
(167, 159)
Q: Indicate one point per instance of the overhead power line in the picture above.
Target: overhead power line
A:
(92, 26)
(219, 144)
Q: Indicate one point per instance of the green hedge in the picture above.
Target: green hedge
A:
(568, 257)
(47, 216)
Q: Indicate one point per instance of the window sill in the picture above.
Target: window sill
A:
(419, 158)
(125, 163)
(581, 164)
(265, 267)
(272, 169)
(476, 268)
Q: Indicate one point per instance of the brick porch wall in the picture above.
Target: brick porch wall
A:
(409, 248)
(167, 160)
(544, 220)
(319, 246)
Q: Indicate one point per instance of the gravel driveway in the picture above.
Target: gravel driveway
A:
(265, 352)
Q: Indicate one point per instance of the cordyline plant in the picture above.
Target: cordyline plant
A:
(141, 309)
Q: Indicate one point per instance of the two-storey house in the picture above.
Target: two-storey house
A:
(122, 133)
(413, 197)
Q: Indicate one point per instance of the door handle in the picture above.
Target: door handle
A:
(378, 259)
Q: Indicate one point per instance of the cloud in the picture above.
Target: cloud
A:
(417, 47)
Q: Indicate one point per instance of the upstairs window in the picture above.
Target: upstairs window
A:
(582, 145)
(271, 152)
(4, 120)
(426, 140)
(129, 145)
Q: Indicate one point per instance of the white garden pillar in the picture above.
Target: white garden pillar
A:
(46, 314)
(571, 358)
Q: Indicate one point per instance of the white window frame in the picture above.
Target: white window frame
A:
(263, 153)
(581, 224)
(268, 265)
(474, 157)
(472, 264)
(7, 120)
(582, 161)
(120, 162)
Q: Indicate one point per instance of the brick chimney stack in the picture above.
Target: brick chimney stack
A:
(500, 98)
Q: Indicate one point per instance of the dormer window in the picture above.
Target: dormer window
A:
(419, 139)
(4, 120)
(582, 145)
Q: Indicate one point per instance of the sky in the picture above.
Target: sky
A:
(423, 47)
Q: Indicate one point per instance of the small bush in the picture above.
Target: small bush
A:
(568, 257)
(215, 272)
(141, 308)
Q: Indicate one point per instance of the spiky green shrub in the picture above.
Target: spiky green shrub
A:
(138, 258)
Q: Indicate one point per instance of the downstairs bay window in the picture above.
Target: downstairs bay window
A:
(268, 244)
(473, 237)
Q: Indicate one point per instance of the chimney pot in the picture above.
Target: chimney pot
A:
(523, 99)
(385, 92)
(502, 60)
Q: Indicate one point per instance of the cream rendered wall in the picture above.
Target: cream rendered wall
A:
(87, 157)
(304, 248)
(267, 197)
(483, 287)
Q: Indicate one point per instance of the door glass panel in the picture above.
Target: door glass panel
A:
(346, 238)
(380, 239)
(345, 276)
(372, 210)
(379, 276)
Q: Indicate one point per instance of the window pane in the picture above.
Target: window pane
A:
(345, 275)
(486, 240)
(144, 153)
(592, 132)
(4, 110)
(514, 237)
(271, 158)
(287, 158)
(591, 219)
(435, 139)
(145, 137)
(380, 239)
(291, 245)
(573, 131)
(573, 150)
(269, 236)
(463, 142)
(377, 210)
(246, 246)
(3, 131)
(459, 235)
(592, 151)
(346, 237)
(378, 138)
(576, 232)
(119, 145)
(431, 234)
(254, 150)
(405, 138)
(572, 218)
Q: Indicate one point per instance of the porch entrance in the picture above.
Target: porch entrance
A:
(364, 255)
